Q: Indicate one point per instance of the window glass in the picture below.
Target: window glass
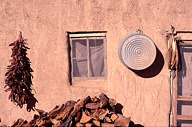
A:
(96, 57)
(79, 48)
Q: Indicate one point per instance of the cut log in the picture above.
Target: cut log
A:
(99, 114)
(67, 109)
(88, 124)
(65, 113)
(102, 113)
(103, 100)
(112, 102)
(71, 102)
(122, 121)
(94, 99)
(45, 116)
(79, 124)
(77, 107)
(107, 125)
(87, 112)
(85, 118)
(41, 112)
(56, 110)
(107, 120)
(19, 122)
(114, 117)
(78, 116)
(95, 114)
(92, 105)
(55, 122)
(42, 122)
(96, 122)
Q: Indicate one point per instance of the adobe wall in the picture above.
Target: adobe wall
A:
(45, 23)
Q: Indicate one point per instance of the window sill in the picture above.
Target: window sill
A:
(89, 83)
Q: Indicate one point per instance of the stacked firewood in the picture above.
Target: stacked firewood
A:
(84, 112)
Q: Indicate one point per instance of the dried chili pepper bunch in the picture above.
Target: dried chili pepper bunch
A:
(19, 77)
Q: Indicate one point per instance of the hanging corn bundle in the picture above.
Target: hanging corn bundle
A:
(18, 77)
(173, 55)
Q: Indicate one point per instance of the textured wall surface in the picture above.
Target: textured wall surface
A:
(45, 23)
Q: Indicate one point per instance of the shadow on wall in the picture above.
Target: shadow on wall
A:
(69, 60)
(154, 69)
(118, 110)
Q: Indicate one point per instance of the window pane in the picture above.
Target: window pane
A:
(185, 71)
(96, 57)
(184, 123)
(184, 107)
(99, 42)
(79, 51)
(80, 68)
(75, 69)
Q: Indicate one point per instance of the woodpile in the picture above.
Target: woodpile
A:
(84, 112)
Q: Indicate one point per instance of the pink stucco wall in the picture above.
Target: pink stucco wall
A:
(45, 23)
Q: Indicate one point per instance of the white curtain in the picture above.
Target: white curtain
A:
(96, 58)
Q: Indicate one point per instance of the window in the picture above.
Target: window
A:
(184, 87)
(88, 56)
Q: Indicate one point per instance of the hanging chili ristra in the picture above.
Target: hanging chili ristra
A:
(18, 77)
